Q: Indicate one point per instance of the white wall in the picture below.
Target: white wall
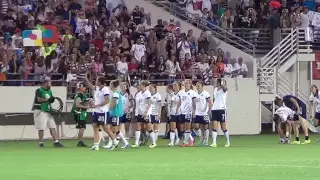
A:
(20, 99)
(242, 102)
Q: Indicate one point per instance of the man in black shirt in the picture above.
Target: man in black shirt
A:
(137, 15)
(159, 29)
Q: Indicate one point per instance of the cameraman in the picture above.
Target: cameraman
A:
(42, 117)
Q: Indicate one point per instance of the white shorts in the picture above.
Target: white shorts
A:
(43, 120)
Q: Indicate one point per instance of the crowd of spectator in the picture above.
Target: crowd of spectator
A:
(252, 13)
(105, 40)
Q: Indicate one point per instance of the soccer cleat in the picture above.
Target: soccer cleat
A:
(113, 147)
(57, 144)
(191, 143)
(306, 142)
(41, 145)
(213, 145)
(135, 146)
(152, 145)
(81, 144)
(177, 141)
(94, 148)
(295, 142)
(183, 145)
(125, 146)
(170, 144)
(108, 146)
(227, 145)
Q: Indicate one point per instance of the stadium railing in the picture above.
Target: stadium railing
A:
(218, 32)
(15, 79)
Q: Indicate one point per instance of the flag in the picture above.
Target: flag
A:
(49, 33)
(32, 38)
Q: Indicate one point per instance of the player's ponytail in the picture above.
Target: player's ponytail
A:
(317, 91)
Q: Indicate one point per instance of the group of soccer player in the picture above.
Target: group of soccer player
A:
(291, 114)
(192, 109)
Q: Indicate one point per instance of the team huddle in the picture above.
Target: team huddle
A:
(114, 105)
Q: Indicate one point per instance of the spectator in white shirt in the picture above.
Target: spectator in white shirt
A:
(184, 47)
(172, 67)
(81, 22)
(115, 34)
(122, 65)
(305, 21)
(241, 68)
(228, 69)
(138, 50)
(203, 64)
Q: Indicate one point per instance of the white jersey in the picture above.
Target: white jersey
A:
(186, 98)
(100, 95)
(316, 100)
(220, 99)
(202, 105)
(174, 104)
(155, 100)
(142, 98)
(126, 98)
(284, 113)
(167, 102)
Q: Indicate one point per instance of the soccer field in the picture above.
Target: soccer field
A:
(249, 158)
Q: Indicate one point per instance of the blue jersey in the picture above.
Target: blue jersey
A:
(117, 110)
(289, 104)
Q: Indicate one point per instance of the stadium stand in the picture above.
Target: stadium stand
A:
(104, 39)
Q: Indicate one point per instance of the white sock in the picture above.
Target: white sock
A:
(153, 140)
(109, 141)
(206, 135)
(156, 134)
(122, 138)
(96, 144)
(214, 137)
(147, 133)
(186, 137)
(56, 141)
(226, 134)
(190, 137)
(172, 136)
(199, 133)
(176, 133)
(137, 136)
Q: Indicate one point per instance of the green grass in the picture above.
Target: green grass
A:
(249, 158)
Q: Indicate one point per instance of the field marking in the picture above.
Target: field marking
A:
(181, 164)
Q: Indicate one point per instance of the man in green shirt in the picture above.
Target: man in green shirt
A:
(42, 117)
(79, 111)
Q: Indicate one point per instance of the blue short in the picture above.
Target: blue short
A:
(114, 121)
(219, 115)
(317, 116)
(154, 119)
(174, 118)
(202, 119)
(125, 118)
(185, 118)
(142, 119)
(100, 118)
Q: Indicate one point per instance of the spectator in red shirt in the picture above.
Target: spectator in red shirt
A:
(98, 42)
(133, 66)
